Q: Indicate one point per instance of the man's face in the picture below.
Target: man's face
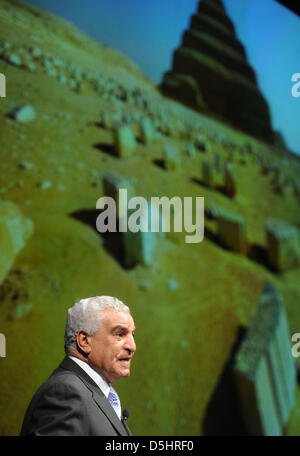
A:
(113, 346)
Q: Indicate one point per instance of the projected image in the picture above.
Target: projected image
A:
(150, 152)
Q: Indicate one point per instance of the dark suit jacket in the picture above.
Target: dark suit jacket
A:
(70, 403)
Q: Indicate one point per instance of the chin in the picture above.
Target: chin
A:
(125, 374)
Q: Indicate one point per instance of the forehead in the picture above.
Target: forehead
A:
(112, 317)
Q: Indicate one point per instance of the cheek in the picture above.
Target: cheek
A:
(112, 354)
(115, 354)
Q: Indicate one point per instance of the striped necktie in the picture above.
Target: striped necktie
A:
(114, 401)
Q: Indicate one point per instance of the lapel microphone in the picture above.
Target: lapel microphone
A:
(125, 414)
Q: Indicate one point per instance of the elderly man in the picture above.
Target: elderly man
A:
(78, 399)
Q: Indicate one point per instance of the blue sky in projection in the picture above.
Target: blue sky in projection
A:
(148, 31)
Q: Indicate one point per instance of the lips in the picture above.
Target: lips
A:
(125, 357)
(125, 360)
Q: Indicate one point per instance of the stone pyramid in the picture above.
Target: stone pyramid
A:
(210, 73)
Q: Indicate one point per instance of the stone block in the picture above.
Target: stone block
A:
(190, 149)
(172, 284)
(147, 130)
(181, 129)
(139, 247)
(208, 175)
(212, 209)
(230, 180)
(217, 162)
(243, 157)
(112, 183)
(248, 148)
(167, 127)
(22, 114)
(283, 345)
(257, 400)
(15, 230)
(279, 183)
(202, 143)
(264, 369)
(232, 232)
(106, 119)
(14, 59)
(283, 244)
(124, 141)
(171, 158)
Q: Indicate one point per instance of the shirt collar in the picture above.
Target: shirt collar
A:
(98, 379)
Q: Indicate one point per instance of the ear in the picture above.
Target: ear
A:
(83, 342)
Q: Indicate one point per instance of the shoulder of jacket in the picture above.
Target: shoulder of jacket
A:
(62, 381)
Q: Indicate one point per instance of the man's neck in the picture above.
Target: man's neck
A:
(85, 359)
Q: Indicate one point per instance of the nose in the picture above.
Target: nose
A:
(130, 345)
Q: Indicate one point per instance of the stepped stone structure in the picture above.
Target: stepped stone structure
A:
(210, 73)
(264, 371)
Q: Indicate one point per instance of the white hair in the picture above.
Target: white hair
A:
(86, 314)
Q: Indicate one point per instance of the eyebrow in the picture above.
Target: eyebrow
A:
(121, 327)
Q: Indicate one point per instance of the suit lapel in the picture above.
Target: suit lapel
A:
(127, 428)
(97, 394)
(107, 409)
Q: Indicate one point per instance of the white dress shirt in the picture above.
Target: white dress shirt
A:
(98, 379)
